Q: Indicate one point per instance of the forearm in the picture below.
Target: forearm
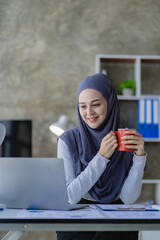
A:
(78, 186)
(133, 183)
(85, 181)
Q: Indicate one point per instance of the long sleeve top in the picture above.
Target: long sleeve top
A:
(78, 187)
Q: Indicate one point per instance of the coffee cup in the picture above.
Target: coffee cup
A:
(121, 132)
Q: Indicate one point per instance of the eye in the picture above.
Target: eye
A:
(96, 105)
(82, 106)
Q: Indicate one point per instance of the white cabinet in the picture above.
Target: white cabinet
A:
(145, 70)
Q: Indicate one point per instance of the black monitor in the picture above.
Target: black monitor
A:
(18, 140)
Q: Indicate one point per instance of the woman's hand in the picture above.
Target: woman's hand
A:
(135, 141)
(108, 145)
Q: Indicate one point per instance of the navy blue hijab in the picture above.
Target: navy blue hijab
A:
(84, 142)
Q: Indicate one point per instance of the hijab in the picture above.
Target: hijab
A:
(84, 142)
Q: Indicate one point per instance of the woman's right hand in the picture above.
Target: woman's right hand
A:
(108, 145)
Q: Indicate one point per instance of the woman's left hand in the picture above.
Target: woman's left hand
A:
(135, 141)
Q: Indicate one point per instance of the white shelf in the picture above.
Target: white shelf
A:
(135, 60)
(151, 181)
(121, 97)
(152, 139)
(130, 66)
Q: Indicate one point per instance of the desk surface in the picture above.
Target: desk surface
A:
(91, 219)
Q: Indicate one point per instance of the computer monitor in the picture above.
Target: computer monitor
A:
(18, 140)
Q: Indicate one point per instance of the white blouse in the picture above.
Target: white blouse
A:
(78, 187)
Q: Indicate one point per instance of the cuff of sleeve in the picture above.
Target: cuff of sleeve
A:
(102, 158)
(139, 160)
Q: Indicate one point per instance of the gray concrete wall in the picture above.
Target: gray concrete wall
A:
(48, 46)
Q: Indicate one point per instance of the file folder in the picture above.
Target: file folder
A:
(149, 114)
(141, 117)
(155, 120)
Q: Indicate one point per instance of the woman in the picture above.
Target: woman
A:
(95, 170)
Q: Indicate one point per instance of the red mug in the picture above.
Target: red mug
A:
(120, 133)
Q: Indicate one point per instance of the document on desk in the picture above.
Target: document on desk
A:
(123, 207)
(134, 211)
(51, 214)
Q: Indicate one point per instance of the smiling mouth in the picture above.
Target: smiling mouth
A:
(92, 120)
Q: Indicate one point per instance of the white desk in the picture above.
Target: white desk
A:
(19, 221)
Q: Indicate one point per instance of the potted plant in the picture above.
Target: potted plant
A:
(128, 87)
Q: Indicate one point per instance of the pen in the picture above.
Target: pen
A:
(131, 209)
(136, 209)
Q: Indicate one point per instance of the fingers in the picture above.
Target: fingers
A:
(109, 136)
(113, 144)
(136, 142)
(133, 132)
(108, 145)
(109, 140)
(133, 141)
(133, 135)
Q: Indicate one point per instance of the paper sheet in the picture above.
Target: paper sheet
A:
(134, 211)
(134, 215)
(91, 213)
(129, 207)
(49, 214)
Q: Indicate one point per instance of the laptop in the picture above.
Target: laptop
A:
(34, 183)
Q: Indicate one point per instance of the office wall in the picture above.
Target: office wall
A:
(48, 47)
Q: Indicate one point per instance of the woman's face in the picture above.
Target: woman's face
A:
(92, 107)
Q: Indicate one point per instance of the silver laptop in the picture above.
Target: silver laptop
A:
(33, 183)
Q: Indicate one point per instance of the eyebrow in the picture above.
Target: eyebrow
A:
(96, 100)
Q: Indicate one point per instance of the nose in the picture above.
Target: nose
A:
(89, 111)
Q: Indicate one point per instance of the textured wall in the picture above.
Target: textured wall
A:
(48, 46)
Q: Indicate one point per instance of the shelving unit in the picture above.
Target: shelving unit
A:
(144, 69)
